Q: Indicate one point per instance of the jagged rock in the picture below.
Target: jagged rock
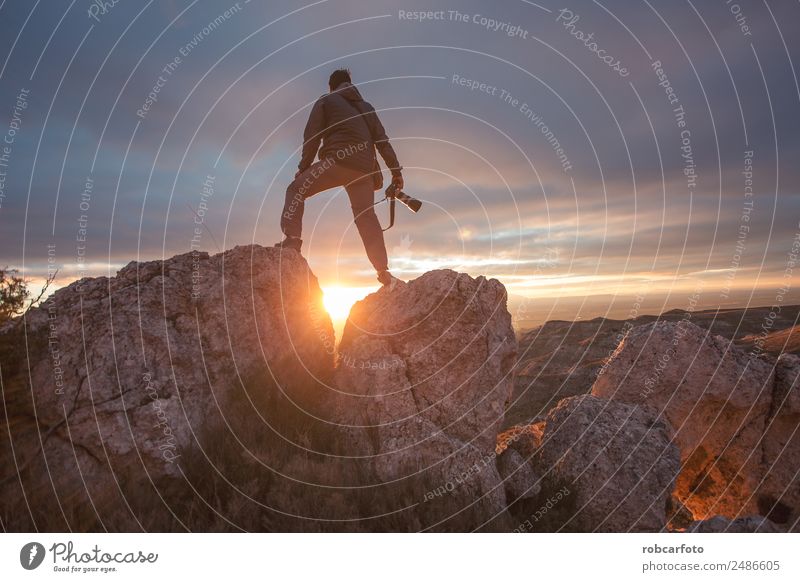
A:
(613, 463)
(749, 524)
(424, 377)
(201, 393)
(451, 336)
(130, 373)
(716, 398)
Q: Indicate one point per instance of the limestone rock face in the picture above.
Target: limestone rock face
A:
(424, 376)
(128, 372)
(451, 337)
(201, 393)
(734, 417)
(605, 466)
(714, 398)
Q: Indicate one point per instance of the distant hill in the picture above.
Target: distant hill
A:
(561, 358)
(530, 312)
(777, 342)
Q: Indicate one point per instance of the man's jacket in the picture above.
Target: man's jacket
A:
(348, 128)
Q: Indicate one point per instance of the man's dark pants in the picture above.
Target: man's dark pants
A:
(324, 175)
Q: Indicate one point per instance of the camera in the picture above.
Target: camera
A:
(411, 203)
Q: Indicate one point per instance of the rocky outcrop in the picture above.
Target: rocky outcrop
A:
(424, 377)
(125, 376)
(604, 466)
(731, 413)
(205, 393)
(201, 392)
(452, 336)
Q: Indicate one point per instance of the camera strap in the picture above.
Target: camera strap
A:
(392, 204)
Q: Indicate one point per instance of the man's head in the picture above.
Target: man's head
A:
(338, 77)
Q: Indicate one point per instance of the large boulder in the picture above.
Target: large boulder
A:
(734, 416)
(125, 376)
(605, 466)
(424, 376)
(711, 393)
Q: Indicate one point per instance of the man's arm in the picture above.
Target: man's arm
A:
(312, 135)
(382, 144)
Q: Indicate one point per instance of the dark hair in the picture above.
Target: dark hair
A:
(338, 77)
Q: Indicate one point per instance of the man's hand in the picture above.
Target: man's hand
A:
(397, 181)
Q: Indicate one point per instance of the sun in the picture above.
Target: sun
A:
(338, 300)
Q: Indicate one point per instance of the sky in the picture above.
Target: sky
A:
(598, 158)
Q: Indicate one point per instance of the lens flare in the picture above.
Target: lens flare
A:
(338, 300)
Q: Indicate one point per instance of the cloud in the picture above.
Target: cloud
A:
(497, 196)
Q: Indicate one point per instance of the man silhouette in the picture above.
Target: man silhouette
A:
(349, 131)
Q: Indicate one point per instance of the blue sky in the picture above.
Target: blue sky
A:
(498, 200)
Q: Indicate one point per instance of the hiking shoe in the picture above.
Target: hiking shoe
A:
(290, 242)
(388, 280)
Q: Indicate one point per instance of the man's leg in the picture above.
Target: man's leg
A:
(320, 176)
(362, 197)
